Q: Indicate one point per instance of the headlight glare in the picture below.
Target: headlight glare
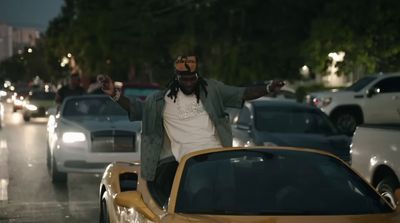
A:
(31, 107)
(322, 102)
(237, 142)
(249, 143)
(72, 137)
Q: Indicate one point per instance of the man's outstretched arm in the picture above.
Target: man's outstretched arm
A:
(254, 92)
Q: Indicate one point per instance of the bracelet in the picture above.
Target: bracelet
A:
(268, 88)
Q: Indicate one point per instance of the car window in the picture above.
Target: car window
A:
(292, 120)
(43, 96)
(360, 84)
(93, 107)
(389, 85)
(265, 182)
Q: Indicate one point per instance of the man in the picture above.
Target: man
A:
(189, 115)
(73, 88)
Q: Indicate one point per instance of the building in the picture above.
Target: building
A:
(6, 49)
(14, 40)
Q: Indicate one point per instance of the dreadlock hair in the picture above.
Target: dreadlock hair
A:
(173, 86)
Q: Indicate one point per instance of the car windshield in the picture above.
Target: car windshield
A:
(89, 107)
(43, 96)
(285, 119)
(273, 182)
(360, 84)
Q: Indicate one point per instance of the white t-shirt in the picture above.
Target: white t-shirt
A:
(188, 125)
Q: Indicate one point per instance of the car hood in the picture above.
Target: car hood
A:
(335, 144)
(367, 218)
(101, 123)
(332, 93)
(43, 103)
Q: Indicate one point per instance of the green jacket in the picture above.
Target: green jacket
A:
(154, 143)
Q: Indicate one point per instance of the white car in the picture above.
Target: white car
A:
(87, 134)
(374, 99)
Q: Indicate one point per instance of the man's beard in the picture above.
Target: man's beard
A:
(187, 91)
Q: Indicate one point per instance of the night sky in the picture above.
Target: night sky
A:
(29, 13)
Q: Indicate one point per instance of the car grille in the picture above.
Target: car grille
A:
(113, 141)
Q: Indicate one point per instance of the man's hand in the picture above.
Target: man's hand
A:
(275, 86)
(268, 88)
(107, 84)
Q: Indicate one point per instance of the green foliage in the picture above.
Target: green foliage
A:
(237, 41)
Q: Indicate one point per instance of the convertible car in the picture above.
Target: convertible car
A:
(245, 184)
(87, 134)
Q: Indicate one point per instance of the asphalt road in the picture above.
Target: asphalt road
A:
(26, 191)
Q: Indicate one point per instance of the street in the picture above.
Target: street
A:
(26, 191)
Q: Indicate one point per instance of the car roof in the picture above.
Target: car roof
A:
(280, 103)
(393, 74)
(140, 85)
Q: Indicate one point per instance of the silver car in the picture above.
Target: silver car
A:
(273, 122)
(87, 134)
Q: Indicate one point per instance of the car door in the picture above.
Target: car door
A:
(383, 106)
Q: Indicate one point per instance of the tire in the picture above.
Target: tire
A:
(386, 188)
(56, 176)
(104, 217)
(346, 122)
(27, 118)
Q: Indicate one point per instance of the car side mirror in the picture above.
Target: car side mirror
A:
(243, 126)
(133, 199)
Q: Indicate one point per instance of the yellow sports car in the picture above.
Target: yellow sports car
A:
(256, 184)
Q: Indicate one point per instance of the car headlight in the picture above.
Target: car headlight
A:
(321, 102)
(31, 107)
(72, 137)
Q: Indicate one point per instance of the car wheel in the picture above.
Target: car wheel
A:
(346, 122)
(27, 118)
(56, 176)
(386, 188)
(104, 218)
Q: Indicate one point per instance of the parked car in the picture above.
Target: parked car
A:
(376, 156)
(87, 134)
(18, 97)
(253, 184)
(288, 123)
(37, 103)
(374, 99)
(139, 90)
